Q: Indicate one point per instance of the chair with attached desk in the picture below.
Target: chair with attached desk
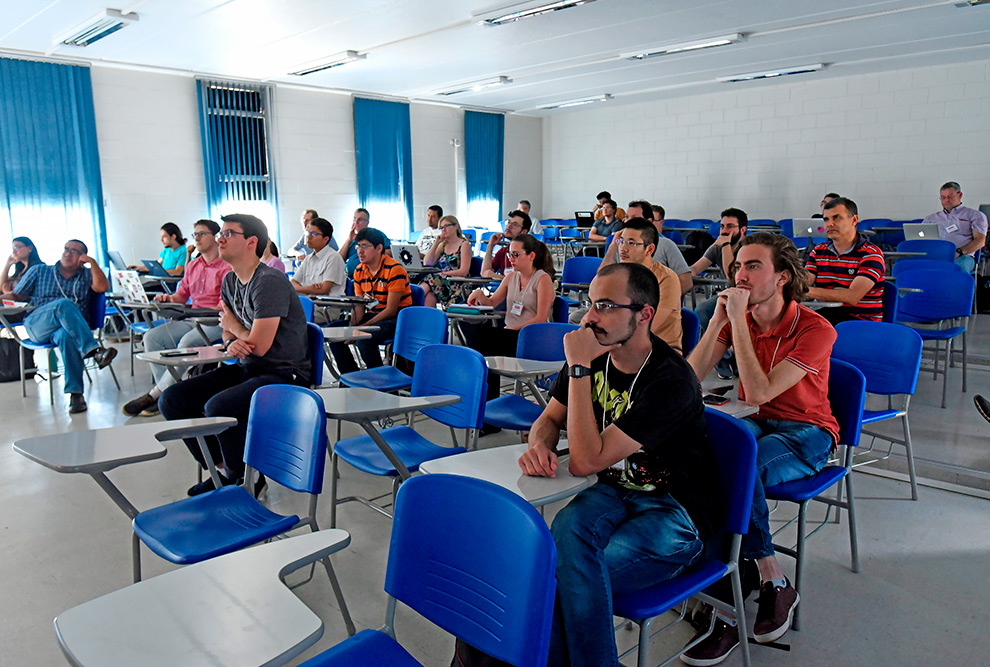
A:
(287, 442)
(922, 264)
(691, 330)
(735, 455)
(892, 373)
(418, 295)
(846, 395)
(472, 558)
(890, 299)
(933, 248)
(440, 369)
(577, 271)
(309, 308)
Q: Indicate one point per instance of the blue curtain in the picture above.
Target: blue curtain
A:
(383, 152)
(50, 185)
(484, 149)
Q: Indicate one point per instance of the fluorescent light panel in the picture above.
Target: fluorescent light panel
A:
(333, 61)
(507, 15)
(478, 85)
(576, 103)
(102, 25)
(773, 73)
(695, 45)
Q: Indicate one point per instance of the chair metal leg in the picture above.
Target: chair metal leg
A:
(799, 559)
(114, 376)
(23, 384)
(130, 343)
(910, 457)
(642, 659)
(739, 601)
(136, 556)
(52, 365)
(949, 347)
(964, 358)
(333, 489)
(853, 543)
(339, 594)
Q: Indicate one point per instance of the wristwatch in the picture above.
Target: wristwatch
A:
(579, 371)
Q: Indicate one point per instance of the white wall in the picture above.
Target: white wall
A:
(523, 171)
(886, 140)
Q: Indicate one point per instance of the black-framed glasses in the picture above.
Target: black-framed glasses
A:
(227, 233)
(199, 235)
(448, 225)
(605, 306)
(515, 254)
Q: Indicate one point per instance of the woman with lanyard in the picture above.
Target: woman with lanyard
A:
(23, 256)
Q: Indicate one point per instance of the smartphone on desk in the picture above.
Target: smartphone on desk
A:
(714, 399)
(179, 353)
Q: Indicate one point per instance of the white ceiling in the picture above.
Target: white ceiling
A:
(416, 48)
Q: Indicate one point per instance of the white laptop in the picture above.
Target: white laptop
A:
(920, 231)
(116, 260)
(811, 228)
(408, 255)
(129, 284)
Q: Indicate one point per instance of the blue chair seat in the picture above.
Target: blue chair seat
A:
(33, 345)
(512, 412)
(369, 648)
(873, 416)
(809, 487)
(940, 334)
(209, 525)
(411, 448)
(382, 378)
(659, 599)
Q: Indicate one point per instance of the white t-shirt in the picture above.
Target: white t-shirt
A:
(426, 239)
(321, 266)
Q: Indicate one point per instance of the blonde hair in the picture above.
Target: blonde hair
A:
(453, 219)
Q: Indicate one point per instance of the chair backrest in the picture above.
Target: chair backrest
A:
(475, 270)
(97, 310)
(418, 295)
(890, 299)
(933, 248)
(944, 295)
(543, 341)
(674, 236)
(418, 326)
(316, 353)
(691, 330)
(452, 369)
(349, 287)
(908, 264)
(890, 369)
(286, 437)
(309, 308)
(846, 395)
(560, 310)
(570, 233)
(471, 235)
(476, 560)
(734, 447)
(580, 269)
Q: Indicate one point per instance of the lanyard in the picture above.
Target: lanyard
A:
(608, 362)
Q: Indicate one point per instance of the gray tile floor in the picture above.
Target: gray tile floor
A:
(916, 601)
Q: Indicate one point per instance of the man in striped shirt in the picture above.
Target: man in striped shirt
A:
(386, 282)
(847, 268)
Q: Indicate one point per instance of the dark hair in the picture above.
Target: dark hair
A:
(785, 257)
(323, 225)
(642, 287)
(209, 224)
(85, 247)
(649, 232)
(372, 236)
(611, 202)
(950, 185)
(436, 207)
(843, 201)
(641, 204)
(172, 229)
(736, 213)
(272, 248)
(525, 201)
(250, 226)
(543, 259)
(604, 194)
(363, 210)
(33, 257)
(527, 221)
(657, 208)
(831, 195)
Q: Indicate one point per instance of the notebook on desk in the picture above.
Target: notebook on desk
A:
(922, 231)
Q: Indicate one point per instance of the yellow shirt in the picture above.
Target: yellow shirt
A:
(667, 322)
(620, 214)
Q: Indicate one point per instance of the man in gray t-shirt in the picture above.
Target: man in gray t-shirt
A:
(667, 252)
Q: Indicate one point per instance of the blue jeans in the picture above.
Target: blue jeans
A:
(61, 322)
(785, 451)
(612, 541)
(706, 311)
(966, 263)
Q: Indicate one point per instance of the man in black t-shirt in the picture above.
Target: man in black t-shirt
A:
(633, 413)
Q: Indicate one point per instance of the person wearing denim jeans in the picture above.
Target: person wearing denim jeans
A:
(782, 350)
(633, 413)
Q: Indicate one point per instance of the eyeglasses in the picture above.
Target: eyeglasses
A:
(312, 234)
(513, 223)
(227, 233)
(71, 251)
(605, 306)
(632, 244)
(515, 254)
(199, 235)
(728, 226)
(448, 225)
(364, 246)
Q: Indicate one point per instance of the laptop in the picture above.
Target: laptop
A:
(116, 260)
(810, 228)
(155, 269)
(129, 284)
(408, 255)
(584, 218)
(920, 231)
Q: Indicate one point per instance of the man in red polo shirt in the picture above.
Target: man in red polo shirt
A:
(782, 349)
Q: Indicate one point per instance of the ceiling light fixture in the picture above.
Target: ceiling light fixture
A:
(770, 74)
(330, 63)
(511, 14)
(973, 3)
(694, 45)
(477, 85)
(576, 103)
(102, 25)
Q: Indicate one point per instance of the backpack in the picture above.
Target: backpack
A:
(9, 367)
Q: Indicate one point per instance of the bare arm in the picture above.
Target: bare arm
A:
(257, 340)
(979, 240)
(465, 267)
(100, 283)
(686, 282)
(487, 269)
(708, 350)
(541, 457)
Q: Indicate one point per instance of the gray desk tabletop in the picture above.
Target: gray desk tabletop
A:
(344, 334)
(210, 354)
(355, 403)
(514, 367)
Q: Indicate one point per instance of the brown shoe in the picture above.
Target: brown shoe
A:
(714, 648)
(139, 404)
(773, 616)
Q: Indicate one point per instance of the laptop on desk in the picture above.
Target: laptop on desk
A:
(810, 228)
(116, 261)
(922, 231)
(155, 269)
(584, 218)
(129, 284)
(408, 255)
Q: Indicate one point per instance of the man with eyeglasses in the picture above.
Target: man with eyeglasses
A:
(264, 327)
(322, 272)
(667, 252)
(201, 282)
(386, 282)
(964, 227)
(721, 254)
(60, 295)
(497, 265)
(633, 413)
(348, 251)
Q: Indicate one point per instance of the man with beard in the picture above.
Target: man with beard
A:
(518, 223)
(666, 252)
(722, 253)
(633, 413)
(782, 349)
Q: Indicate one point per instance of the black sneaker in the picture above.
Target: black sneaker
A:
(207, 485)
(983, 406)
(104, 355)
(488, 429)
(138, 405)
(773, 616)
(714, 648)
(77, 404)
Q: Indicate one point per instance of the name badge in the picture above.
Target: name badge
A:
(952, 228)
(371, 304)
(517, 308)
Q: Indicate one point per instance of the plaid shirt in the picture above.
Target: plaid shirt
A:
(43, 284)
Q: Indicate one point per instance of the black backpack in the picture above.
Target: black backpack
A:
(9, 368)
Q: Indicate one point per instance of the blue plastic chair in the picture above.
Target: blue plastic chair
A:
(846, 394)
(674, 236)
(474, 559)
(476, 263)
(415, 328)
(418, 295)
(909, 264)
(946, 296)
(579, 270)
(287, 442)
(314, 335)
(787, 227)
(309, 308)
(735, 456)
(933, 249)
(691, 330)
(440, 369)
(541, 342)
(892, 373)
(560, 310)
(890, 299)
